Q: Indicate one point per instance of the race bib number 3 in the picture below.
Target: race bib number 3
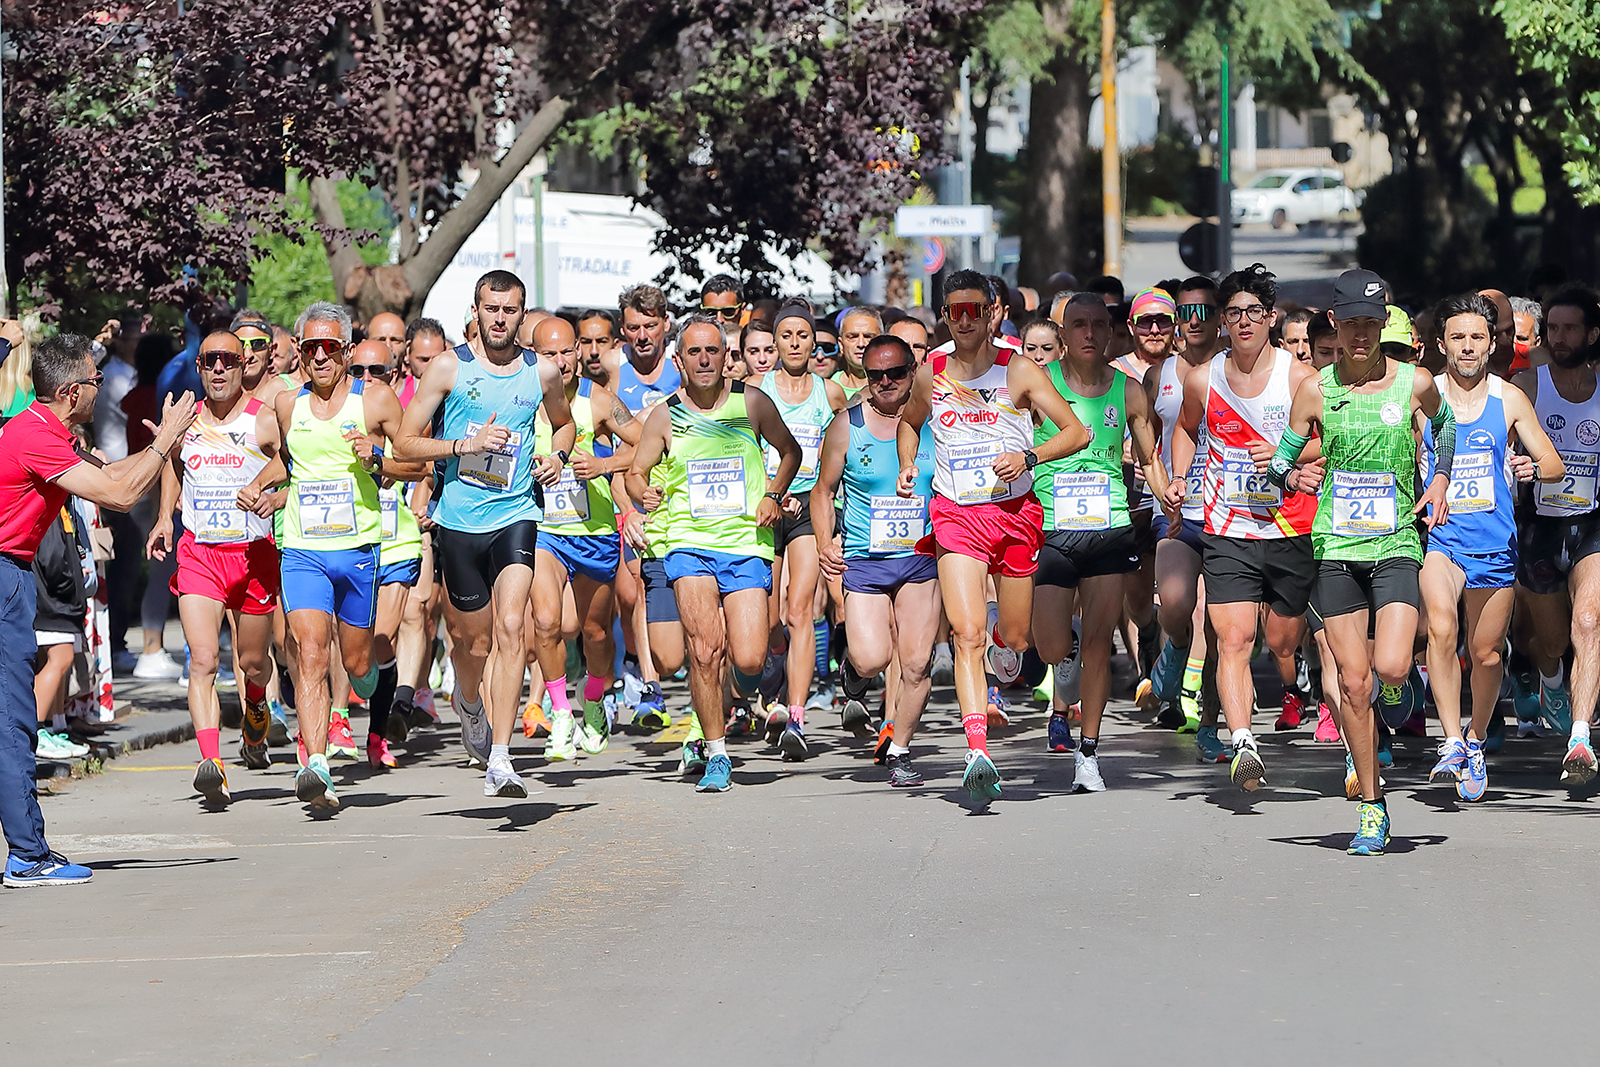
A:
(1472, 481)
(897, 524)
(389, 513)
(490, 470)
(1242, 487)
(1082, 501)
(972, 471)
(568, 500)
(1574, 493)
(218, 518)
(1363, 504)
(327, 508)
(716, 487)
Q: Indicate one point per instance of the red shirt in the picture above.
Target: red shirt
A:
(34, 448)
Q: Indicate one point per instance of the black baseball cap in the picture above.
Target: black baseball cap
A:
(1360, 293)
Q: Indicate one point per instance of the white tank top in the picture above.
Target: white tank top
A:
(218, 461)
(973, 423)
(1168, 405)
(1575, 431)
(1238, 501)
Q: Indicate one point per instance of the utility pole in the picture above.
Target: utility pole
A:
(540, 167)
(966, 154)
(1110, 156)
(1224, 164)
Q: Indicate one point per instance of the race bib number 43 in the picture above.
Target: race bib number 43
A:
(1082, 500)
(1363, 504)
(218, 517)
(716, 487)
(490, 470)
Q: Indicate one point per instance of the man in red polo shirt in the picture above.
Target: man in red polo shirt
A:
(39, 466)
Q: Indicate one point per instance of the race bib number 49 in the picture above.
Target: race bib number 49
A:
(1363, 504)
(716, 487)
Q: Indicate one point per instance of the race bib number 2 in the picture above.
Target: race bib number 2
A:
(716, 487)
(1574, 494)
(1363, 504)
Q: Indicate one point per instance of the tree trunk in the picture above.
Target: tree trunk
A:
(1058, 121)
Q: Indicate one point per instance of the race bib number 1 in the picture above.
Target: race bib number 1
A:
(490, 470)
(897, 523)
(1082, 500)
(1472, 481)
(1363, 504)
(218, 517)
(1242, 487)
(327, 508)
(972, 471)
(716, 487)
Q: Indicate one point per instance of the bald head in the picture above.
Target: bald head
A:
(222, 340)
(531, 319)
(555, 339)
(388, 329)
(371, 359)
(1505, 331)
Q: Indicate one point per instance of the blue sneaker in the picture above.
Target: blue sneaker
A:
(1475, 781)
(1060, 734)
(1167, 674)
(1385, 752)
(1525, 695)
(792, 743)
(1373, 836)
(278, 728)
(1452, 761)
(1555, 708)
(1394, 704)
(982, 778)
(1210, 746)
(54, 869)
(717, 778)
(652, 710)
(998, 709)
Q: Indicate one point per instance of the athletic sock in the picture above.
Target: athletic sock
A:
(499, 752)
(719, 747)
(1192, 669)
(210, 742)
(976, 724)
(1089, 746)
(1553, 681)
(557, 688)
(404, 694)
(255, 694)
(1243, 737)
(1580, 732)
(897, 750)
(365, 684)
(382, 698)
(593, 688)
(797, 715)
(823, 634)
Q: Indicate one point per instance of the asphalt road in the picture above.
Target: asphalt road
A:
(811, 915)
(1306, 263)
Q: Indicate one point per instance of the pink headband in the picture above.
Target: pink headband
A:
(1153, 302)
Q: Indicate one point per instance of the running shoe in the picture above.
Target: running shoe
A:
(652, 714)
(1294, 707)
(398, 729)
(379, 758)
(1069, 672)
(1373, 835)
(1578, 767)
(1525, 694)
(474, 729)
(943, 668)
(1004, 664)
(211, 782)
(1452, 761)
(561, 744)
(1047, 685)
(741, 723)
(855, 719)
(278, 728)
(1555, 707)
(1475, 781)
(1531, 728)
(981, 779)
(1170, 717)
(823, 698)
(1167, 675)
(1149, 646)
(1208, 743)
(341, 743)
(253, 731)
(1385, 745)
(1144, 696)
(1495, 738)
(54, 746)
(594, 732)
(1352, 781)
(880, 751)
(1189, 704)
(999, 710)
(1247, 771)
(501, 780)
(901, 774)
(718, 776)
(1086, 774)
(777, 719)
(314, 786)
(534, 722)
(1393, 704)
(792, 743)
(1327, 732)
(54, 869)
(423, 712)
(692, 757)
(1059, 734)
(301, 756)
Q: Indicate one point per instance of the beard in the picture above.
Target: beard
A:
(1576, 358)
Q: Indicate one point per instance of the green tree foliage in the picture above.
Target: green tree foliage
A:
(1561, 40)
(292, 269)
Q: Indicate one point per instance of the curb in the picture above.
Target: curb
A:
(102, 751)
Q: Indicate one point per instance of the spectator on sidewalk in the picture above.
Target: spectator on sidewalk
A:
(143, 402)
(61, 600)
(40, 465)
(16, 375)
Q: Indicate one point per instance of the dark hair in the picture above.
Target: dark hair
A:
(890, 316)
(1002, 291)
(150, 355)
(1196, 281)
(58, 360)
(599, 313)
(969, 279)
(1171, 286)
(645, 299)
(1083, 299)
(753, 326)
(249, 317)
(1573, 296)
(1464, 304)
(498, 281)
(1255, 279)
(425, 326)
(1106, 285)
(1298, 315)
(891, 341)
(1318, 328)
(722, 283)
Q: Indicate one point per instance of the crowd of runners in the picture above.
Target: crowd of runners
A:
(816, 513)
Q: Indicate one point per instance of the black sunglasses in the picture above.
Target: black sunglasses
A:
(722, 312)
(369, 370)
(230, 360)
(1195, 311)
(895, 374)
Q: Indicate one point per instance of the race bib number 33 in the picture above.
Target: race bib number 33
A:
(897, 524)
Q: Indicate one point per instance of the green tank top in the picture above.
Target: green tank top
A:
(333, 501)
(401, 536)
(714, 507)
(1369, 486)
(573, 507)
(668, 475)
(1085, 491)
(808, 421)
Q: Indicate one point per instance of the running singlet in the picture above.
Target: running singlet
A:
(1575, 431)
(1239, 502)
(1168, 405)
(1482, 500)
(1370, 485)
(878, 522)
(808, 421)
(713, 509)
(1085, 491)
(219, 459)
(573, 506)
(668, 475)
(1139, 498)
(402, 537)
(639, 395)
(333, 500)
(973, 424)
(489, 491)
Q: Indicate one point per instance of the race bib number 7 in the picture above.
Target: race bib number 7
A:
(327, 507)
(1363, 504)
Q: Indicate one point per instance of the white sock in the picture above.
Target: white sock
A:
(1580, 731)
(500, 752)
(897, 750)
(1551, 681)
(719, 747)
(1242, 737)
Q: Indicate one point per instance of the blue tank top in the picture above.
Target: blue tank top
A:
(488, 492)
(878, 523)
(1482, 491)
(639, 395)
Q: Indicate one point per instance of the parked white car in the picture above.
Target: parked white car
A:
(1296, 195)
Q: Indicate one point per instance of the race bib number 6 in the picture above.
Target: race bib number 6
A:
(1363, 504)
(568, 500)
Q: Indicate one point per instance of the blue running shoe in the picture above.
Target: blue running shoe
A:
(1525, 695)
(54, 869)
(1167, 675)
(982, 778)
(1394, 704)
(652, 713)
(1555, 708)
(1496, 737)
(718, 776)
(1452, 761)
(1060, 734)
(792, 743)
(999, 709)
(1373, 836)
(1385, 752)
(1210, 746)
(1475, 781)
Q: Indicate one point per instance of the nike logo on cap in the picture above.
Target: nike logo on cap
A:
(1374, 288)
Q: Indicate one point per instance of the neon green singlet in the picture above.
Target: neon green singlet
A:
(573, 507)
(724, 478)
(1085, 491)
(333, 501)
(402, 537)
(1369, 489)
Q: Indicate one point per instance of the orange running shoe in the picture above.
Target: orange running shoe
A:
(534, 724)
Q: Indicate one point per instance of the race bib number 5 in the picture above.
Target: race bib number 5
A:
(327, 508)
(1082, 500)
(716, 487)
(972, 471)
(1363, 504)
(490, 470)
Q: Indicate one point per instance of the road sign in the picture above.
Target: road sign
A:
(943, 220)
(1197, 247)
(932, 255)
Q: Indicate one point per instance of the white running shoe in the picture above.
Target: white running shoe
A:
(58, 746)
(157, 666)
(474, 729)
(1086, 775)
(501, 780)
(1005, 664)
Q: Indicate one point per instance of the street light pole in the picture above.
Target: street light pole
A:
(966, 155)
(1224, 164)
(1110, 156)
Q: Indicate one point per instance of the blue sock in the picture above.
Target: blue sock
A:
(822, 630)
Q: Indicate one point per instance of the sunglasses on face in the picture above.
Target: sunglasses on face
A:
(894, 374)
(330, 346)
(256, 344)
(370, 370)
(1234, 316)
(95, 381)
(969, 308)
(229, 360)
(729, 313)
(1195, 311)
(1147, 323)
(826, 349)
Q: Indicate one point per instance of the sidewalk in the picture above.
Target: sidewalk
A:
(148, 714)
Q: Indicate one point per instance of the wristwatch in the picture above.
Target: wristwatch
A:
(563, 456)
(776, 498)
(1029, 460)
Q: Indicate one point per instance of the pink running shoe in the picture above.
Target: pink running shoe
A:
(378, 754)
(1327, 733)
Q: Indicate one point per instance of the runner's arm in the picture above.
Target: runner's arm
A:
(1305, 412)
(770, 427)
(836, 397)
(1142, 435)
(830, 468)
(909, 437)
(1542, 462)
(1038, 393)
(652, 445)
(563, 428)
(384, 419)
(159, 543)
(1184, 438)
(416, 440)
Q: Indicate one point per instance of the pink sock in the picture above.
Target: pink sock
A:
(976, 724)
(557, 688)
(593, 688)
(797, 715)
(210, 743)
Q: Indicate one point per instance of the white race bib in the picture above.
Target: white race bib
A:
(1082, 500)
(1363, 504)
(972, 471)
(218, 517)
(1242, 487)
(327, 508)
(567, 501)
(809, 438)
(898, 523)
(1574, 493)
(389, 513)
(716, 487)
(1472, 481)
(490, 470)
